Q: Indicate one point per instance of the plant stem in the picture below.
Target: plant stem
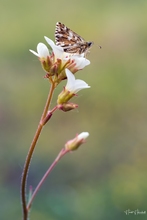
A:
(31, 151)
(61, 154)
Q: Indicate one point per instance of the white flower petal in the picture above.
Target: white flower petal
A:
(80, 84)
(35, 53)
(70, 80)
(49, 41)
(58, 51)
(42, 51)
(80, 61)
(83, 135)
(74, 85)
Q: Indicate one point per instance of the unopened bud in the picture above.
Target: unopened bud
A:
(67, 107)
(46, 63)
(74, 144)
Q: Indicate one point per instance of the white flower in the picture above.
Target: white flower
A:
(79, 60)
(58, 51)
(42, 51)
(57, 61)
(76, 142)
(74, 85)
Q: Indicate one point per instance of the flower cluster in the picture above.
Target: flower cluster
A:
(54, 63)
(58, 66)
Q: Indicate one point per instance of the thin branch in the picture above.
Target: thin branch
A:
(61, 154)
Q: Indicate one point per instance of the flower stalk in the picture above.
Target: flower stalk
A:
(31, 151)
(60, 155)
(58, 66)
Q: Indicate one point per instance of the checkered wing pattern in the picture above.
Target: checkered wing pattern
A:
(69, 40)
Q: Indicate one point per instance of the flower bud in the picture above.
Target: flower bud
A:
(74, 144)
(67, 107)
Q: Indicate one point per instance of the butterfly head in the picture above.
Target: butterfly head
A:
(89, 44)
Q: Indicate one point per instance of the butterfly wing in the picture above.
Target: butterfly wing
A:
(68, 39)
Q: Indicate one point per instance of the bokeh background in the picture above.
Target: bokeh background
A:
(107, 175)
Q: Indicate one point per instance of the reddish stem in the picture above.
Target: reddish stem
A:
(61, 154)
(31, 151)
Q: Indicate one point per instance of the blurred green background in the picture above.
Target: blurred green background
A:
(108, 174)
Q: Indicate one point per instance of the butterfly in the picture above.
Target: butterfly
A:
(70, 41)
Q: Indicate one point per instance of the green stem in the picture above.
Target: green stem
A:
(31, 151)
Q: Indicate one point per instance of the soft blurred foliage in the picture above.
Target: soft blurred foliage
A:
(108, 174)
